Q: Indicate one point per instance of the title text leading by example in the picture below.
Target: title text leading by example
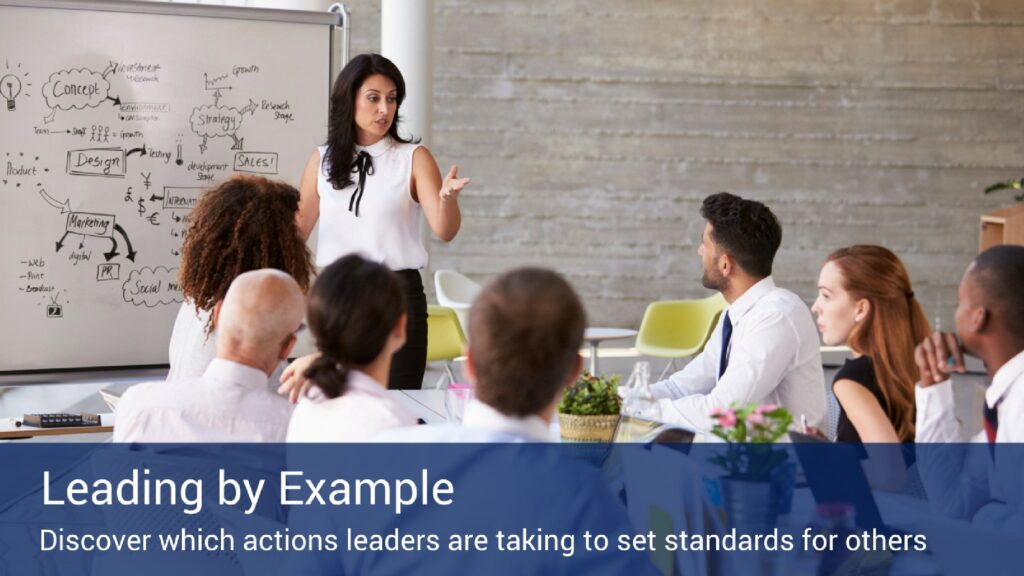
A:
(295, 489)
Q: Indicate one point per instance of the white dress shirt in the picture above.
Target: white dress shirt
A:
(387, 229)
(480, 424)
(964, 481)
(190, 350)
(774, 358)
(937, 423)
(364, 410)
(228, 403)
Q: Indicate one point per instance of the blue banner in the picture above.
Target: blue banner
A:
(802, 508)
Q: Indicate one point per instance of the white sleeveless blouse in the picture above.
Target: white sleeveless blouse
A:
(387, 229)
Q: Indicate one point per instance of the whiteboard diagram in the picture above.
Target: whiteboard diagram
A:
(112, 124)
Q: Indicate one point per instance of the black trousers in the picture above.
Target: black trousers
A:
(410, 363)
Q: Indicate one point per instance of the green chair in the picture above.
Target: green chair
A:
(445, 340)
(678, 328)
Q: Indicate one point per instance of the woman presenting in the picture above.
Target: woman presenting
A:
(367, 186)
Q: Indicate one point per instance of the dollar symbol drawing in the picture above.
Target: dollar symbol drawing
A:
(142, 207)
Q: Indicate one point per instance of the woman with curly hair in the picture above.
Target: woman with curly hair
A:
(246, 223)
(368, 186)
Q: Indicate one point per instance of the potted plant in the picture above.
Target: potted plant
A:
(589, 409)
(753, 485)
(1017, 185)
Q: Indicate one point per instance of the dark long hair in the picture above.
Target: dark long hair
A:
(341, 126)
(892, 328)
(353, 307)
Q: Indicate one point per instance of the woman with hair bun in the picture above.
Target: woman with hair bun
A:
(357, 317)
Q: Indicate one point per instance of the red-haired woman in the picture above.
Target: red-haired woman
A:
(865, 301)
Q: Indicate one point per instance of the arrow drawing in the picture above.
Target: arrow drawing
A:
(250, 108)
(154, 198)
(131, 252)
(64, 208)
(116, 100)
(110, 68)
(113, 250)
(238, 142)
(60, 243)
(141, 151)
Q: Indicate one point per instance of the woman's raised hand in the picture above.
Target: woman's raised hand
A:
(452, 184)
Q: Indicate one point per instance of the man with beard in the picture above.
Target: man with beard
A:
(765, 347)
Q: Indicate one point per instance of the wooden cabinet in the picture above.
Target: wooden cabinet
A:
(1004, 226)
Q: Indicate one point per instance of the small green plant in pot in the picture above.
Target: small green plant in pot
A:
(589, 409)
(756, 483)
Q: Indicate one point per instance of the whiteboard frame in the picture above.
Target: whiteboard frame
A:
(181, 9)
(337, 17)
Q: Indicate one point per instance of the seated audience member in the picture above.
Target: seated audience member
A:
(960, 481)
(257, 321)
(357, 315)
(525, 332)
(765, 348)
(865, 301)
(245, 223)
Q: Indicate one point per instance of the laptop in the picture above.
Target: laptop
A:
(834, 474)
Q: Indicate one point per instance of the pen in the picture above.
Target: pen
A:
(803, 422)
(15, 422)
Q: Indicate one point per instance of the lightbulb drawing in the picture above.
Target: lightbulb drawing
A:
(10, 88)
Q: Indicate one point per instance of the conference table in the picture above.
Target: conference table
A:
(594, 336)
(426, 404)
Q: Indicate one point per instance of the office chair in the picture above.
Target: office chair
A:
(678, 328)
(445, 339)
(456, 292)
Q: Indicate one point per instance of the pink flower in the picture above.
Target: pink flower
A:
(762, 409)
(756, 419)
(727, 419)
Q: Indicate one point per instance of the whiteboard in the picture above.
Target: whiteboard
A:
(114, 116)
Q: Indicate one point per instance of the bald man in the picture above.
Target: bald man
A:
(984, 485)
(256, 324)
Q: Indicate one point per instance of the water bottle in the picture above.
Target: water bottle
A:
(639, 401)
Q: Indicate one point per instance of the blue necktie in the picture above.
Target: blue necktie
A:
(726, 336)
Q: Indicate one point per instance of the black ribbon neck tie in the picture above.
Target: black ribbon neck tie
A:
(362, 166)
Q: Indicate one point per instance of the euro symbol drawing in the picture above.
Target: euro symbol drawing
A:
(153, 218)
